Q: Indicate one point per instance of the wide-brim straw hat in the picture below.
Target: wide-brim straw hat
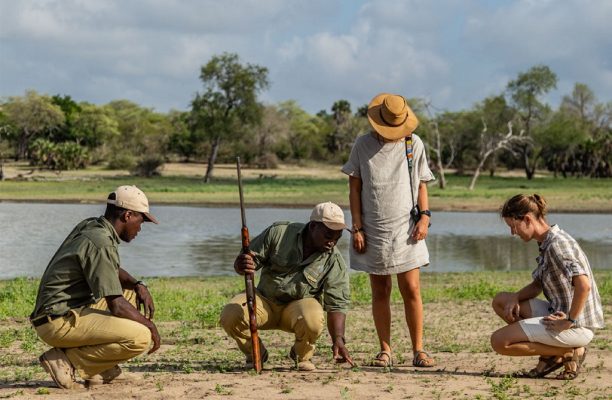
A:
(391, 117)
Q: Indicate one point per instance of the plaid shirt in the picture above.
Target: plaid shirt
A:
(561, 258)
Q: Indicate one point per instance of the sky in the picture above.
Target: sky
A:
(453, 53)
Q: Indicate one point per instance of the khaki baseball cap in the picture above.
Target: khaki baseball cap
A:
(330, 214)
(132, 198)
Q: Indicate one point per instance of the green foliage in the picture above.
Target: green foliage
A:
(57, 156)
(148, 165)
(122, 160)
(17, 297)
(31, 116)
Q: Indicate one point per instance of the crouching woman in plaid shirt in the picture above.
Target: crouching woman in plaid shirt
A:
(559, 328)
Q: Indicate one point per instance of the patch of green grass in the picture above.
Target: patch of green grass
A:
(17, 297)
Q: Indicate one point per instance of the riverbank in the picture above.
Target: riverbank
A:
(197, 360)
(291, 186)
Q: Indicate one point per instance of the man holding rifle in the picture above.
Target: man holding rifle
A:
(302, 275)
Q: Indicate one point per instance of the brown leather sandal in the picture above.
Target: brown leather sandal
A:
(423, 362)
(383, 359)
(570, 361)
(546, 364)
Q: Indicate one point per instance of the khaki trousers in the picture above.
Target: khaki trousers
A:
(94, 340)
(303, 317)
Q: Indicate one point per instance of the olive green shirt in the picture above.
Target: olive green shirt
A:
(83, 270)
(286, 277)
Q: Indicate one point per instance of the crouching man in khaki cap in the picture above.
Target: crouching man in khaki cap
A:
(300, 267)
(87, 307)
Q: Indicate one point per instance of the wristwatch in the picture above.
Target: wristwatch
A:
(425, 212)
(142, 283)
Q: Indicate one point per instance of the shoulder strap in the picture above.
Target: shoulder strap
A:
(408, 145)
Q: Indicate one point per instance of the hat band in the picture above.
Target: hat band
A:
(389, 123)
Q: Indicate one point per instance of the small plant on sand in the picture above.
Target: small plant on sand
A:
(222, 390)
(42, 391)
(344, 393)
(500, 389)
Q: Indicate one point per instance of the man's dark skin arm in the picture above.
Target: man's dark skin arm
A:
(335, 326)
(144, 300)
(120, 307)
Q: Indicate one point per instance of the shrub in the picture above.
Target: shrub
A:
(122, 160)
(148, 166)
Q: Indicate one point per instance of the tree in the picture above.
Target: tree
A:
(94, 126)
(142, 140)
(489, 144)
(525, 92)
(71, 110)
(341, 115)
(274, 128)
(580, 103)
(181, 140)
(563, 133)
(228, 103)
(437, 148)
(306, 132)
(31, 116)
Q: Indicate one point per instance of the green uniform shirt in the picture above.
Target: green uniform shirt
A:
(285, 277)
(83, 270)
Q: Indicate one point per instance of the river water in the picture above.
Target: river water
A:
(203, 241)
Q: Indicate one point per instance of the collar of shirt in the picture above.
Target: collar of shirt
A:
(108, 226)
(554, 230)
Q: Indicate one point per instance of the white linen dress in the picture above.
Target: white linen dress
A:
(386, 204)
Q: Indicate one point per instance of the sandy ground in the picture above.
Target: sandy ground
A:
(209, 366)
(461, 377)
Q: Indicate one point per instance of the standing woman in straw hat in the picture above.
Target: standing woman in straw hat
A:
(388, 173)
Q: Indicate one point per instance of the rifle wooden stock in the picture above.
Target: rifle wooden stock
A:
(249, 281)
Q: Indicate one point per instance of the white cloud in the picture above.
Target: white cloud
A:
(150, 51)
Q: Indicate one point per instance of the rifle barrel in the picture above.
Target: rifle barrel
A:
(242, 212)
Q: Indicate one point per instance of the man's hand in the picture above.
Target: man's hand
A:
(557, 322)
(341, 353)
(155, 337)
(512, 309)
(244, 264)
(144, 301)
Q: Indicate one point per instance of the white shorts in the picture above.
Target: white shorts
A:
(536, 331)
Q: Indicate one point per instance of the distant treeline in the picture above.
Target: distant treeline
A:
(514, 129)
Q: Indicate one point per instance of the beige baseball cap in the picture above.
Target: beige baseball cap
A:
(132, 198)
(330, 214)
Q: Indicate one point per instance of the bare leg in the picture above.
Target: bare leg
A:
(381, 308)
(410, 288)
(512, 341)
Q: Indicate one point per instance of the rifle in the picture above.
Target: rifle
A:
(249, 281)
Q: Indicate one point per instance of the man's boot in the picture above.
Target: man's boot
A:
(57, 364)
